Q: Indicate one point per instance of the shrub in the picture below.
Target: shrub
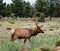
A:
(41, 17)
(12, 22)
(8, 28)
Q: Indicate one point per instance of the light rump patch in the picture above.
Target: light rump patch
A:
(12, 31)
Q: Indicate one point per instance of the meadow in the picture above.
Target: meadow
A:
(47, 40)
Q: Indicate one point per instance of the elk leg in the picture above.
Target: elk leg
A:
(29, 39)
(24, 40)
(13, 37)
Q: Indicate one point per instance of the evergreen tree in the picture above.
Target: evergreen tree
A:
(27, 9)
(17, 7)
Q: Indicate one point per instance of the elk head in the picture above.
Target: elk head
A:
(39, 30)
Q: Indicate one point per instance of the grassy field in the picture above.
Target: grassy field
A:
(46, 40)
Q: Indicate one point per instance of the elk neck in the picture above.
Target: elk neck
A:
(34, 32)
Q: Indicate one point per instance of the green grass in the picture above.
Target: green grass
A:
(58, 42)
(9, 46)
(12, 22)
(36, 43)
(43, 42)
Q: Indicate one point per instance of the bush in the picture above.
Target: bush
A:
(8, 28)
(41, 17)
(12, 22)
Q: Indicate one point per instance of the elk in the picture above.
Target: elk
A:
(25, 33)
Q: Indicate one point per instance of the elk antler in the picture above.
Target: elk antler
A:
(36, 21)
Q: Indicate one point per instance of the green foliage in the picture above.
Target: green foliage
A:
(58, 42)
(41, 17)
(9, 46)
(8, 28)
(49, 7)
(21, 8)
(27, 9)
(38, 5)
(12, 22)
(37, 14)
(42, 6)
(47, 49)
(35, 49)
(12, 47)
(2, 8)
(3, 13)
(1, 2)
(8, 10)
(13, 16)
(0, 24)
(17, 8)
